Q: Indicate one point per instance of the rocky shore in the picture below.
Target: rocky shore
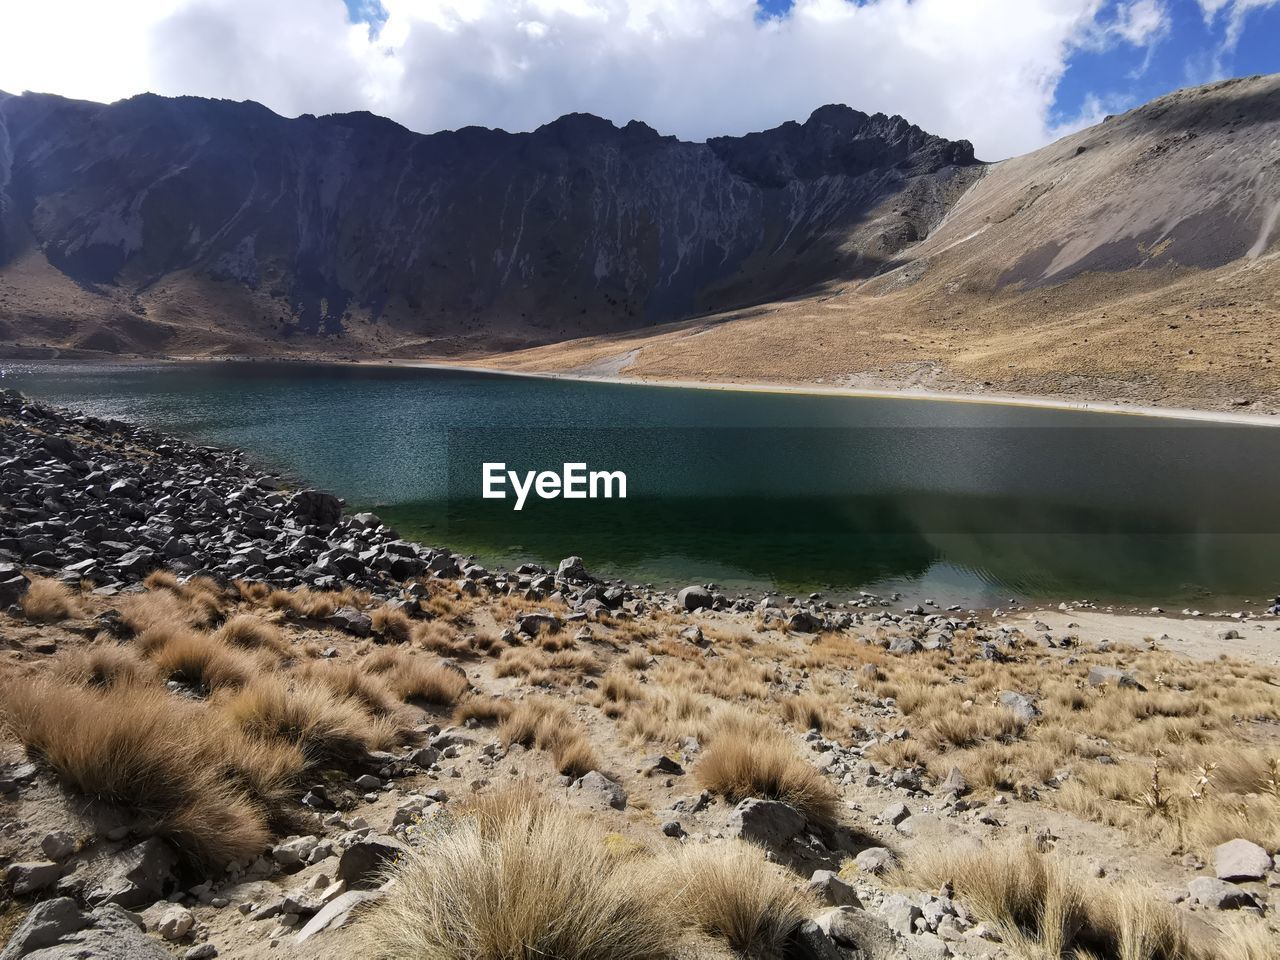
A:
(855, 780)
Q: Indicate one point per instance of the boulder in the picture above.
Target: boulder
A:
(1240, 860)
(902, 646)
(573, 570)
(829, 888)
(1020, 705)
(350, 620)
(1219, 895)
(48, 923)
(25, 878)
(695, 598)
(314, 507)
(900, 913)
(337, 912)
(769, 823)
(58, 930)
(600, 790)
(175, 923)
(1100, 676)
(875, 860)
(955, 782)
(140, 875)
(810, 942)
(362, 863)
(894, 814)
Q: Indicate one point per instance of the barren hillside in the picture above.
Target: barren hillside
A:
(1138, 259)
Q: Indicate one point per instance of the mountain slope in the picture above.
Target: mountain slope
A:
(1136, 260)
(160, 224)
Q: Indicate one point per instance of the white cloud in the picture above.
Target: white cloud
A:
(985, 70)
(1237, 11)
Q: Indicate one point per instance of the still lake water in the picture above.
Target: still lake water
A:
(958, 502)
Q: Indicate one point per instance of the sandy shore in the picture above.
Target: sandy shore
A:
(1175, 413)
(1200, 638)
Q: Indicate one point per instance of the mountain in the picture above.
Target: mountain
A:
(1136, 260)
(186, 225)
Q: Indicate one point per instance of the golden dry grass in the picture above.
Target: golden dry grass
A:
(252, 633)
(391, 624)
(304, 714)
(1042, 909)
(195, 779)
(548, 725)
(508, 883)
(202, 662)
(49, 601)
(104, 665)
(749, 758)
(732, 893)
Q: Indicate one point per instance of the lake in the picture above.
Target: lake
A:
(962, 503)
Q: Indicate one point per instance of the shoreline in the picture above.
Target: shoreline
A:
(1191, 414)
(817, 390)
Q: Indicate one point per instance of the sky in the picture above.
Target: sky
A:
(1009, 75)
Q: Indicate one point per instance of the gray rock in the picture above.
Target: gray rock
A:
(769, 823)
(25, 878)
(573, 570)
(1219, 895)
(140, 875)
(362, 863)
(695, 598)
(1020, 705)
(811, 942)
(1100, 676)
(902, 646)
(859, 930)
(900, 914)
(176, 923)
(201, 951)
(828, 886)
(1240, 860)
(954, 783)
(46, 924)
(875, 860)
(314, 507)
(599, 789)
(895, 813)
(108, 933)
(350, 620)
(294, 851)
(58, 845)
(337, 913)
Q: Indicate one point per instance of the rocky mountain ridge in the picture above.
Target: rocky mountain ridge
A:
(153, 224)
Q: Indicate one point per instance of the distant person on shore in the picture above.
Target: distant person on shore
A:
(1274, 609)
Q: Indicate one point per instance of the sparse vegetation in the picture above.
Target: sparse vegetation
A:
(748, 758)
(49, 601)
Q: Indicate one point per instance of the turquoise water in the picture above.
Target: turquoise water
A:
(963, 503)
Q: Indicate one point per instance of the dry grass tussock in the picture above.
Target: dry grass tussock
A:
(306, 714)
(413, 678)
(1190, 770)
(482, 709)
(201, 783)
(508, 883)
(548, 725)
(733, 894)
(749, 757)
(502, 879)
(49, 601)
(204, 663)
(104, 665)
(253, 633)
(1042, 909)
(391, 624)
